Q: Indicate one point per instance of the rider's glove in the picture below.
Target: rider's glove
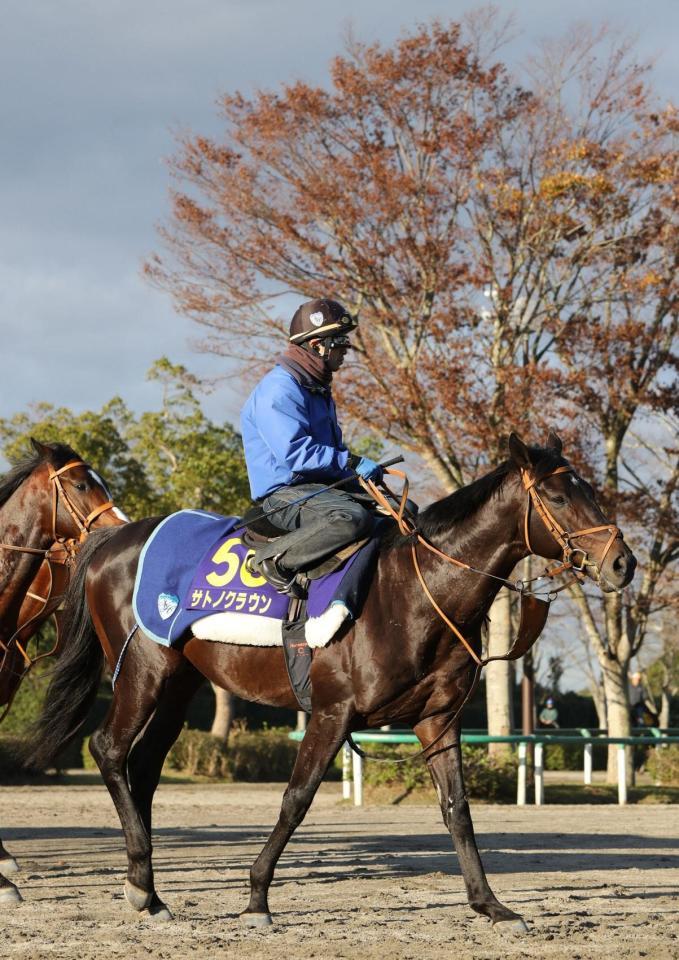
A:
(365, 467)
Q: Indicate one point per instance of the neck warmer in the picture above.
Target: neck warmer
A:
(305, 365)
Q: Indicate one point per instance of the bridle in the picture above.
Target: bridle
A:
(61, 552)
(563, 537)
(63, 549)
(408, 528)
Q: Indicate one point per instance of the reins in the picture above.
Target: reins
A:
(408, 528)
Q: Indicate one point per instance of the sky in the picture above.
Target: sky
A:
(93, 94)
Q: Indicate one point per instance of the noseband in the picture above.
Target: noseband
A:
(563, 537)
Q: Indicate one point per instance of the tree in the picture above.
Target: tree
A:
(154, 463)
(99, 437)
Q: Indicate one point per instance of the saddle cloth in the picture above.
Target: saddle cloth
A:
(192, 577)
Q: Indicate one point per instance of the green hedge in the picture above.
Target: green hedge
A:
(663, 765)
(486, 778)
(252, 756)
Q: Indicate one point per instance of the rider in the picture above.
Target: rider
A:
(293, 447)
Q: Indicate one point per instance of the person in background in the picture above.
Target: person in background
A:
(643, 712)
(549, 715)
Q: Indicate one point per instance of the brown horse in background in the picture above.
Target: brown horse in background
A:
(398, 663)
(48, 503)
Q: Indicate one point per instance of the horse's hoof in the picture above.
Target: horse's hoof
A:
(516, 927)
(9, 866)
(9, 896)
(256, 919)
(136, 897)
(157, 911)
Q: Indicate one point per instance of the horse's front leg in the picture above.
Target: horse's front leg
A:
(445, 766)
(7, 862)
(8, 892)
(325, 734)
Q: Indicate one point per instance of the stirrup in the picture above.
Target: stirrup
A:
(283, 582)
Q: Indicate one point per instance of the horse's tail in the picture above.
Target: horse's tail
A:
(75, 678)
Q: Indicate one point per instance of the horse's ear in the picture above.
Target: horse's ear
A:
(554, 443)
(519, 451)
(41, 449)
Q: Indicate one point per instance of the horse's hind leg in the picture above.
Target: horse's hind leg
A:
(146, 759)
(323, 738)
(139, 688)
(445, 766)
(148, 754)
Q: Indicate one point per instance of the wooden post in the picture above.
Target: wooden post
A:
(622, 775)
(539, 775)
(521, 776)
(346, 771)
(358, 780)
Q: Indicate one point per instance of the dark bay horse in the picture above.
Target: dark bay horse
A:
(47, 504)
(398, 663)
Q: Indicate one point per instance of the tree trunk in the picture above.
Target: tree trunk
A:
(617, 704)
(599, 698)
(665, 699)
(499, 675)
(221, 724)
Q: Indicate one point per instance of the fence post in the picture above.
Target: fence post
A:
(588, 764)
(539, 775)
(346, 772)
(521, 775)
(622, 775)
(358, 780)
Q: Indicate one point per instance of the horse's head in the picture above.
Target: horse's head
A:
(77, 499)
(563, 520)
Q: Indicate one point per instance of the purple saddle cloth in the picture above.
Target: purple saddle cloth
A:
(193, 565)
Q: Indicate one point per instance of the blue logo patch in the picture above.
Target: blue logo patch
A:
(167, 604)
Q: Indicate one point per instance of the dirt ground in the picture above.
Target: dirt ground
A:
(374, 883)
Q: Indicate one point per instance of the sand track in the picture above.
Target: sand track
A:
(379, 882)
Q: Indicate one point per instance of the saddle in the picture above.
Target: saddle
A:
(258, 530)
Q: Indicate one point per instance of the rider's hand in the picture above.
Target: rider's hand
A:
(366, 468)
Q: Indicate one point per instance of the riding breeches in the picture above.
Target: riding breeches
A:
(318, 527)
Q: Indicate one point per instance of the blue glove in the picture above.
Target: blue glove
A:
(366, 468)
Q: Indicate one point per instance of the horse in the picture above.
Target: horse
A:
(48, 503)
(399, 662)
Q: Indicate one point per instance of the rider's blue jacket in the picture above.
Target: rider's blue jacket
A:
(291, 435)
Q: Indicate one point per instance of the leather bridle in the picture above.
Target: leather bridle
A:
(62, 551)
(563, 537)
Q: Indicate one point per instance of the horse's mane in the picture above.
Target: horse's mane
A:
(59, 454)
(439, 517)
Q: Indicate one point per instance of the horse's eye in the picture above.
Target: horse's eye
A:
(80, 486)
(559, 501)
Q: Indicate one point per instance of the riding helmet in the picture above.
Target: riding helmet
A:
(320, 318)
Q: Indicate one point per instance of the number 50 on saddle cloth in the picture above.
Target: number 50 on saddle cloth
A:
(192, 574)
